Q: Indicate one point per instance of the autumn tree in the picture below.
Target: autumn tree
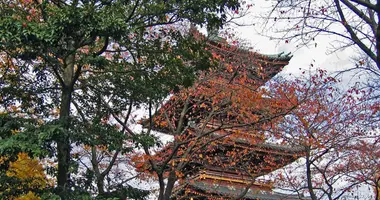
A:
(351, 24)
(335, 128)
(71, 64)
(21, 176)
(365, 163)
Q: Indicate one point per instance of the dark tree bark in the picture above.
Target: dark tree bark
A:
(309, 175)
(63, 140)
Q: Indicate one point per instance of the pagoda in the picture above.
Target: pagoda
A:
(230, 158)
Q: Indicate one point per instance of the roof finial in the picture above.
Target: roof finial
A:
(213, 34)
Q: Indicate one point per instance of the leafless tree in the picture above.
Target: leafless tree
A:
(351, 23)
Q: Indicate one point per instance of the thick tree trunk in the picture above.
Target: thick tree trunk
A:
(63, 140)
(162, 186)
(170, 185)
(100, 184)
(63, 144)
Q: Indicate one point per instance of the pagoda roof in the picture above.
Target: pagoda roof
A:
(255, 145)
(203, 186)
(245, 139)
(271, 64)
(256, 151)
(219, 41)
(234, 192)
(263, 66)
(259, 68)
(174, 106)
(280, 56)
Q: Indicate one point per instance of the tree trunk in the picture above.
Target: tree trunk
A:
(309, 176)
(63, 144)
(162, 186)
(98, 174)
(170, 185)
(377, 189)
(63, 140)
(100, 184)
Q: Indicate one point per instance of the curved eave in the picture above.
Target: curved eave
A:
(282, 56)
(216, 191)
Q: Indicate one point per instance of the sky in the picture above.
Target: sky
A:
(302, 57)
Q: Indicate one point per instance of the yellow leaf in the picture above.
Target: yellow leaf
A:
(29, 196)
(28, 169)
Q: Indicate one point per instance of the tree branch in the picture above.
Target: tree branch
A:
(354, 37)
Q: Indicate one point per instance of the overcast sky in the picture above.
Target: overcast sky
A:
(302, 57)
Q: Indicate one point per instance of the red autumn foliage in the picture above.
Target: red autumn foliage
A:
(339, 133)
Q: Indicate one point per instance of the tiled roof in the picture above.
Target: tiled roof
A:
(279, 56)
(232, 191)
